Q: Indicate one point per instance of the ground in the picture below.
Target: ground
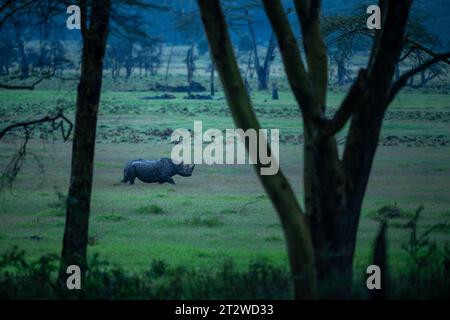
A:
(221, 211)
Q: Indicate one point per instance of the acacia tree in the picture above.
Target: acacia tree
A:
(345, 34)
(19, 21)
(94, 36)
(189, 25)
(321, 238)
(262, 70)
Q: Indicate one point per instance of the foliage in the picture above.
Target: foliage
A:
(152, 209)
(426, 277)
(20, 279)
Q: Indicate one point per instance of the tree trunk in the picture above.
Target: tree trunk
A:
(334, 187)
(24, 67)
(169, 60)
(248, 71)
(341, 72)
(397, 72)
(264, 70)
(423, 79)
(190, 66)
(211, 79)
(78, 202)
(331, 222)
(254, 55)
(298, 238)
(275, 92)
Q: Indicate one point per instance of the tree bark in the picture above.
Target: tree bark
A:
(292, 219)
(78, 202)
(335, 188)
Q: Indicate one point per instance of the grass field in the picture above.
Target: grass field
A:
(221, 211)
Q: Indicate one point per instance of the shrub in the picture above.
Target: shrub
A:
(110, 217)
(390, 212)
(427, 276)
(199, 221)
(152, 209)
(36, 280)
(228, 211)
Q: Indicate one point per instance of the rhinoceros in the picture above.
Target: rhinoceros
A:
(150, 171)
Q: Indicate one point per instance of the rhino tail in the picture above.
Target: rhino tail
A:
(125, 176)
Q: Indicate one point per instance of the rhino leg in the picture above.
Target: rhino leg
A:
(131, 175)
(168, 180)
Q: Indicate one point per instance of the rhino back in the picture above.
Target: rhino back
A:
(153, 170)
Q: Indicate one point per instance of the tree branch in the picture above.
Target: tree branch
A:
(416, 45)
(365, 126)
(352, 101)
(290, 53)
(11, 171)
(298, 237)
(388, 48)
(48, 118)
(27, 87)
(14, 10)
(308, 12)
(402, 81)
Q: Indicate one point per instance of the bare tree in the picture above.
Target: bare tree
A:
(17, 19)
(334, 186)
(262, 70)
(58, 121)
(76, 228)
(189, 25)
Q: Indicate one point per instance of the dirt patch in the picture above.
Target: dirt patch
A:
(164, 96)
(419, 116)
(386, 141)
(125, 134)
(198, 97)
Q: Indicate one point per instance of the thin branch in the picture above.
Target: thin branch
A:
(5, 5)
(349, 34)
(13, 168)
(308, 12)
(290, 53)
(352, 101)
(403, 80)
(11, 171)
(27, 87)
(13, 11)
(416, 45)
(407, 54)
(48, 118)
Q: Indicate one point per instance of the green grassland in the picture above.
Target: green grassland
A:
(221, 211)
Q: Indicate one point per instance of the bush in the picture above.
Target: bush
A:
(390, 212)
(152, 209)
(36, 280)
(427, 276)
(110, 217)
(199, 221)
